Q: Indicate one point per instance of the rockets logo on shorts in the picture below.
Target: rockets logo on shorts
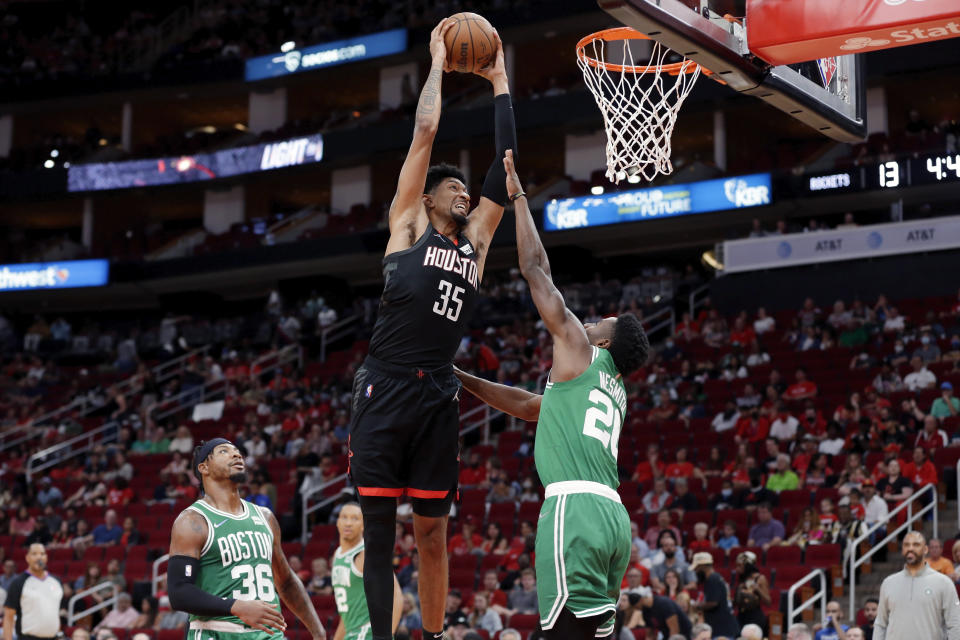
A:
(369, 391)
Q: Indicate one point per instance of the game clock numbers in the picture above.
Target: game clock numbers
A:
(890, 175)
(943, 167)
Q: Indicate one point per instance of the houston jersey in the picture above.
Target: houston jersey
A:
(429, 294)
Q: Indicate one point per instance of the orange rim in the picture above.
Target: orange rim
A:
(626, 33)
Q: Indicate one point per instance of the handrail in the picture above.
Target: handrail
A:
(305, 511)
(958, 493)
(809, 602)
(693, 298)
(335, 331)
(276, 359)
(48, 458)
(155, 573)
(853, 546)
(109, 602)
(670, 320)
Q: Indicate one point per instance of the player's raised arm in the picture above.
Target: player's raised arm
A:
(187, 539)
(407, 206)
(289, 586)
(513, 401)
(571, 347)
(493, 197)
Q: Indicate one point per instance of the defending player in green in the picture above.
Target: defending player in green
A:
(227, 568)
(583, 536)
(347, 579)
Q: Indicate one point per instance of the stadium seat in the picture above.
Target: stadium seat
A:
(782, 555)
(823, 555)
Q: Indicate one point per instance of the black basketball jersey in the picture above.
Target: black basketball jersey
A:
(429, 294)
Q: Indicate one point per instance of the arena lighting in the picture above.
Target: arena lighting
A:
(48, 164)
(240, 126)
(634, 179)
(54, 153)
(597, 190)
(289, 45)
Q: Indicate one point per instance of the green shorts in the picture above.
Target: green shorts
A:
(583, 548)
(363, 633)
(219, 634)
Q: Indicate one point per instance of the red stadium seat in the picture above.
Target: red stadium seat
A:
(823, 555)
(780, 556)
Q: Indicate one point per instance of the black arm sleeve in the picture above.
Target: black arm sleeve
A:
(495, 183)
(185, 595)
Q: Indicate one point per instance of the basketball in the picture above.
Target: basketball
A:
(470, 43)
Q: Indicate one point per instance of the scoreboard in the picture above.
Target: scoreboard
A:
(890, 174)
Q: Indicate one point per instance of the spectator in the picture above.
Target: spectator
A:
(108, 533)
(784, 427)
(410, 616)
(784, 478)
(764, 323)
(509, 634)
(483, 617)
(701, 538)
(652, 537)
(523, 597)
(802, 388)
(258, 497)
(672, 619)
(846, 529)
(48, 494)
(183, 442)
(767, 532)
(496, 598)
(148, 614)
(726, 419)
(494, 542)
(650, 468)
(809, 314)
(120, 494)
(502, 491)
(671, 560)
(894, 487)
(888, 380)
(848, 223)
(833, 628)
(742, 334)
(870, 607)
(807, 531)
(728, 539)
(756, 230)
(947, 405)
(320, 583)
(752, 427)
(920, 471)
(467, 541)
(840, 319)
(752, 631)
(23, 523)
(928, 351)
(472, 474)
(936, 560)
(120, 617)
(665, 410)
(701, 631)
(683, 499)
(167, 618)
(833, 444)
(715, 605)
(799, 631)
(453, 609)
(752, 592)
(931, 437)
(113, 575)
(894, 322)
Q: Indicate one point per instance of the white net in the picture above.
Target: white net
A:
(639, 103)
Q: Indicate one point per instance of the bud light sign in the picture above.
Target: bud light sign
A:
(54, 275)
(659, 202)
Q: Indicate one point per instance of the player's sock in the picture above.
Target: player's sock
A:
(429, 635)
(379, 532)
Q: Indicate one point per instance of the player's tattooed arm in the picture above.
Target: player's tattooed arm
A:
(189, 534)
(407, 216)
(289, 586)
(571, 346)
(513, 401)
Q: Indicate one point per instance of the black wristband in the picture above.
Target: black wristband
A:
(185, 595)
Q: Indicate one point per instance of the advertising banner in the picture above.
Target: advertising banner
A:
(658, 202)
(202, 166)
(841, 244)
(328, 54)
(54, 275)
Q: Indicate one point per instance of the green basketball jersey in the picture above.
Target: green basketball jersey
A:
(579, 425)
(348, 589)
(236, 560)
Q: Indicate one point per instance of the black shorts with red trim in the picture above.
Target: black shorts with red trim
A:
(404, 432)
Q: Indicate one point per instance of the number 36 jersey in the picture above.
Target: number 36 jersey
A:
(237, 560)
(429, 294)
(579, 425)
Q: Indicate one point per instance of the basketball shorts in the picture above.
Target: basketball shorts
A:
(363, 633)
(404, 433)
(206, 633)
(583, 549)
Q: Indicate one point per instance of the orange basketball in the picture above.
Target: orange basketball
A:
(470, 43)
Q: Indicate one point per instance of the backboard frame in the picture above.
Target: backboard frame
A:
(721, 46)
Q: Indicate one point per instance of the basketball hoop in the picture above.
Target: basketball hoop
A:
(639, 102)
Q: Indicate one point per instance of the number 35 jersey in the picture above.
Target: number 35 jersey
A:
(579, 425)
(236, 562)
(429, 294)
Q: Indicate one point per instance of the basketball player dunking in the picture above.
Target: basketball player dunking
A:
(583, 539)
(404, 427)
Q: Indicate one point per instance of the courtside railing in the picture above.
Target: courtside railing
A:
(810, 602)
(694, 301)
(336, 331)
(914, 508)
(73, 617)
(155, 576)
(63, 451)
